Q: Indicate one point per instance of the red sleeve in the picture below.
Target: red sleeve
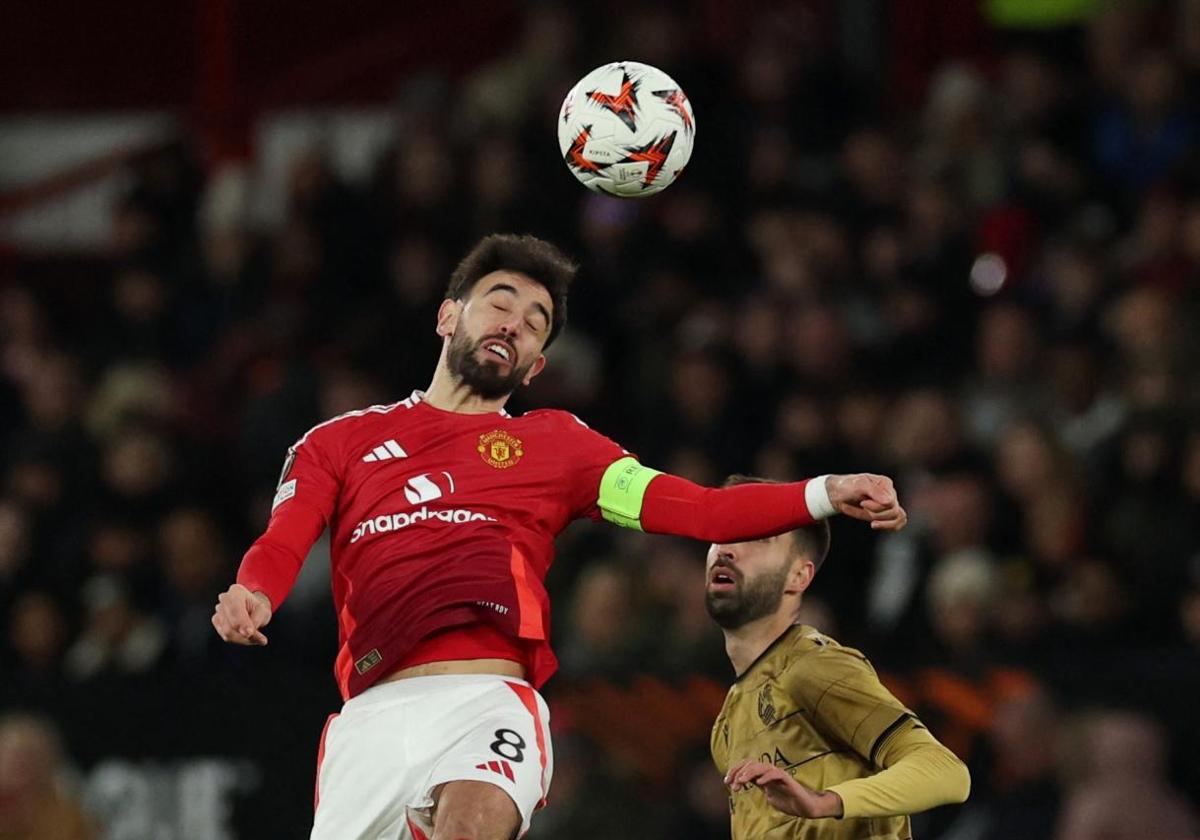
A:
(674, 505)
(304, 504)
(590, 454)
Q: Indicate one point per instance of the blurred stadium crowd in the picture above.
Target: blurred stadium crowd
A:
(989, 293)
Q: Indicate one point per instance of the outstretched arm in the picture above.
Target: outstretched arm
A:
(635, 496)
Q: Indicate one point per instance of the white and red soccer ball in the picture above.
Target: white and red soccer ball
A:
(626, 129)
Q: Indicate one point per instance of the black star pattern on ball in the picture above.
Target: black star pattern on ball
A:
(624, 104)
(574, 156)
(654, 153)
(677, 99)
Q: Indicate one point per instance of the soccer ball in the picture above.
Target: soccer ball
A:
(626, 129)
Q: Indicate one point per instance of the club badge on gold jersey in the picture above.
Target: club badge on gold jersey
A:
(766, 705)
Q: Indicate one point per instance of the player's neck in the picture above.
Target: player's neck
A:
(450, 393)
(746, 643)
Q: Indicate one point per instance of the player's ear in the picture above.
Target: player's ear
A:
(801, 576)
(447, 320)
(534, 369)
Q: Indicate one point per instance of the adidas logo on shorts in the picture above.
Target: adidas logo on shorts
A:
(501, 767)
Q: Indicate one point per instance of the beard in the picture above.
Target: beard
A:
(486, 378)
(748, 601)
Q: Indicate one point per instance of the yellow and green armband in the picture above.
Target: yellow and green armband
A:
(622, 490)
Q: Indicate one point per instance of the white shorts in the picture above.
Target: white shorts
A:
(383, 755)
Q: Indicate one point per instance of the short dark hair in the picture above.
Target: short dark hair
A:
(810, 540)
(537, 259)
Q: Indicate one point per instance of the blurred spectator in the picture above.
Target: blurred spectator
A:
(505, 91)
(1119, 787)
(1085, 409)
(129, 393)
(686, 642)
(1007, 352)
(604, 636)
(1024, 736)
(138, 325)
(1140, 137)
(700, 412)
(138, 470)
(35, 803)
(1138, 525)
(1144, 325)
(116, 636)
(196, 566)
(38, 633)
(1040, 477)
(960, 145)
(925, 433)
(1113, 36)
(1076, 284)
(1093, 604)
(53, 397)
(14, 548)
(962, 592)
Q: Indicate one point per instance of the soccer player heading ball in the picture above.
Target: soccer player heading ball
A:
(443, 510)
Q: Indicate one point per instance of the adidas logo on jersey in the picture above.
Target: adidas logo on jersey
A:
(386, 451)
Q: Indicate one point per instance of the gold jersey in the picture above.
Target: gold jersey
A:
(818, 710)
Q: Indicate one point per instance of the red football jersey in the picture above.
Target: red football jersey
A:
(439, 519)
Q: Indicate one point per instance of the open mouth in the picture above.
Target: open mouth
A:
(721, 578)
(500, 350)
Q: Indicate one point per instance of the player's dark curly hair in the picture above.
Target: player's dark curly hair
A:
(535, 258)
(811, 540)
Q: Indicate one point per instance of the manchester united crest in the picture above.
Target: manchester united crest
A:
(500, 449)
(766, 706)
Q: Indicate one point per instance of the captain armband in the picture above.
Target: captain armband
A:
(622, 490)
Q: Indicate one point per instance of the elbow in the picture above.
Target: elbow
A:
(960, 783)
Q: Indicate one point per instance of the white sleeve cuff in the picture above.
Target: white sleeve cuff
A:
(816, 496)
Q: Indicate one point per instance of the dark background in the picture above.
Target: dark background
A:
(955, 243)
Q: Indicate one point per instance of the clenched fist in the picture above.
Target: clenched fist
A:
(871, 498)
(239, 615)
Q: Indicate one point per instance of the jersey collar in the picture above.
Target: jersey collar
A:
(766, 651)
(418, 396)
